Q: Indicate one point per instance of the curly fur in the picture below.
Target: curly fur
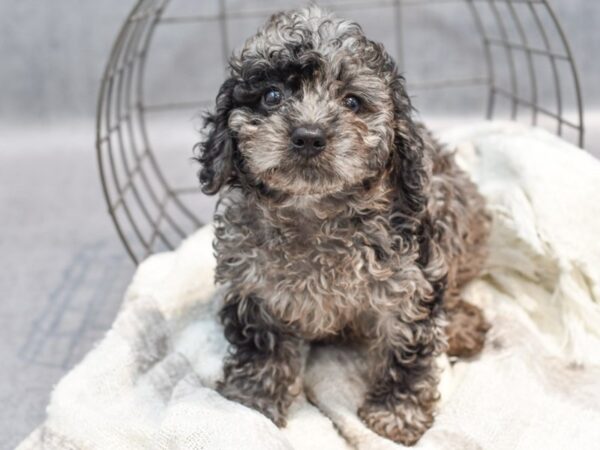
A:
(370, 240)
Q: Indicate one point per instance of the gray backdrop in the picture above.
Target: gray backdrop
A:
(52, 52)
(63, 269)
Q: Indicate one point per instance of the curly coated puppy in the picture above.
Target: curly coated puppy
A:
(339, 216)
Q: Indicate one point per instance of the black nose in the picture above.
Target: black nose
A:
(308, 140)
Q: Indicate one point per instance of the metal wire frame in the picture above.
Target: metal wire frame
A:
(150, 215)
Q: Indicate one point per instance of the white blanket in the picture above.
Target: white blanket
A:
(148, 383)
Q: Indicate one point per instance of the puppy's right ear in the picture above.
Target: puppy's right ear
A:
(217, 151)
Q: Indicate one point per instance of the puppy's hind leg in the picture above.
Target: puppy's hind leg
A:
(263, 368)
(466, 327)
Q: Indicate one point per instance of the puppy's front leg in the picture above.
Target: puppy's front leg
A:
(403, 391)
(264, 364)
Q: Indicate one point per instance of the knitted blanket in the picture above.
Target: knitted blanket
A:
(149, 383)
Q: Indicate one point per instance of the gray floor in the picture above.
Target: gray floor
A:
(63, 273)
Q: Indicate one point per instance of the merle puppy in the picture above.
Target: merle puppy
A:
(339, 216)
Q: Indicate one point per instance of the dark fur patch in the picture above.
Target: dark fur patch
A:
(264, 360)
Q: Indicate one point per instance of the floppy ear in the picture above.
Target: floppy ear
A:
(410, 169)
(217, 151)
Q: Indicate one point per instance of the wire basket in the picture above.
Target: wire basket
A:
(500, 59)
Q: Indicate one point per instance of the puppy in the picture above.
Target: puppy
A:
(339, 216)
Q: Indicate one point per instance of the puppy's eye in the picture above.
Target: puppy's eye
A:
(352, 103)
(272, 97)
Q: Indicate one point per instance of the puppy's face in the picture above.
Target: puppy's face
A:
(313, 115)
(311, 107)
(314, 127)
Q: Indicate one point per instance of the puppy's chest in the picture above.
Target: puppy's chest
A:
(320, 284)
(313, 267)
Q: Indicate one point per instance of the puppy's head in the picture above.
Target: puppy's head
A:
(312, 107)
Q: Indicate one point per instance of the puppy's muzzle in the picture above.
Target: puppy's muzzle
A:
(308, 141)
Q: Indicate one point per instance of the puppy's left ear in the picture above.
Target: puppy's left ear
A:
(217, 151)
(410, 166)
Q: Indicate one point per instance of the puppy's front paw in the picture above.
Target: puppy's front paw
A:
(245, 395)
(404, 424)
